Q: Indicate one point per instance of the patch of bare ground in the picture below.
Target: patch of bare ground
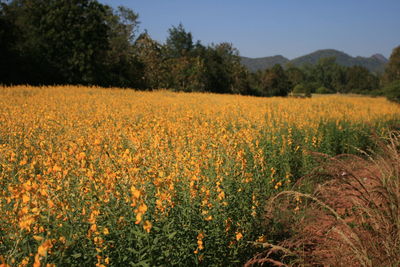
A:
(351, 218)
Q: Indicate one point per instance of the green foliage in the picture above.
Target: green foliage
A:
(69, 37)
(149, 53)
(392, 71)
(329, 74)
(301, 90)
(179, 42)
(392, 91)
(360, 80)
(77, 42)
(326, 73)
(186, 74)
(123, 68)
(9, 58)
(272, 82)
(224, 72)
(295, 75)
(183, 66)
(186, 71)
(312, 85)
(323, 90)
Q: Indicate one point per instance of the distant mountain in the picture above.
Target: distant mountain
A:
(254, 64)
(375, 63)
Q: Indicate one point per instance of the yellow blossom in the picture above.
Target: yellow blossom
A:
(105, 231)
(147, 226)
(239, 236)
(44, 247)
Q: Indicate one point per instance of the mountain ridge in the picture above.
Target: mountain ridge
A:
(375, 63)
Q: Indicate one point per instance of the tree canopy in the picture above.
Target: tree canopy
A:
(392, 71)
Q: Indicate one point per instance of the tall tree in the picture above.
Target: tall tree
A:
(392, 71)
(275, 82)
(150, 53)
(68, 41)
(360, 80)
(186, 74)
(186, 69)
(223, 71)
(123, 66)
(179, 42)
(65, 40)
(295, 76)
(9, 57)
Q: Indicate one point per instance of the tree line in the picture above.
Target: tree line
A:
(324, 77)
(86, 42)
(89, 43)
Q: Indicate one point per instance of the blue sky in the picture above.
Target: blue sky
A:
(277, 27)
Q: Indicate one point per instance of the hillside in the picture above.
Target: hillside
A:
(375, 63)
(254, 64)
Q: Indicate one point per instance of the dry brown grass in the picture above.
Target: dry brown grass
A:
(351, 218)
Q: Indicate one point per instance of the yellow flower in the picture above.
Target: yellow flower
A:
(81, 156)
(105, 231)
(139, 217)
(200, 237)
(44, 247)
(26, 222)
(38, 238)
(93, 228)
(25, 198)
(262, 239)
(136, 193)
(37, 261)
(25, 261)
(57, 168)
(147, 226)
(142, 208)
(27, 185)
(239, 236)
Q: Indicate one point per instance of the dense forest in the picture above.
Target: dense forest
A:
(89, 43)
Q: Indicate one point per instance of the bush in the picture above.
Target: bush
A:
(323, 90)
(301, 90)
(392, 91)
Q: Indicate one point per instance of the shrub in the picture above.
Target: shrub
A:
(323, 90)
(301, 90)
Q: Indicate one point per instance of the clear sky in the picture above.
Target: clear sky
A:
(290, 28)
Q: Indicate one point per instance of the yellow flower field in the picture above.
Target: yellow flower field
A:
(93, 176)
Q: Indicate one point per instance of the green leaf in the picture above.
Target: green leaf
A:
(171, 235)
(76, 255)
